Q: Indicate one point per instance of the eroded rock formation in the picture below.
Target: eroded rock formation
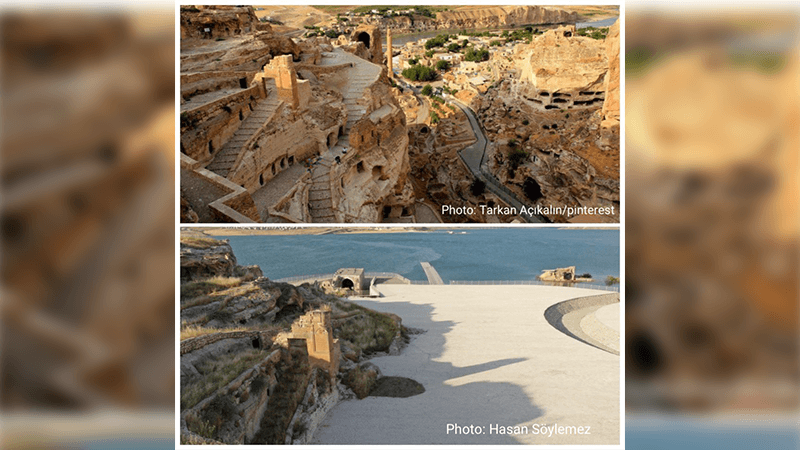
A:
(549, 145)
(503, 16)
(262, 362)
(477, 17)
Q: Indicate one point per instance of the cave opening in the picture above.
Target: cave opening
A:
(363, 37)
(243, 83)
(347, 283)
(532, 189)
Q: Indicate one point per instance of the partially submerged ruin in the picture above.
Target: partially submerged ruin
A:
(564, 274)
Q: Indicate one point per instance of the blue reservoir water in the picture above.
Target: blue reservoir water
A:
(597, 23)
(480, 254)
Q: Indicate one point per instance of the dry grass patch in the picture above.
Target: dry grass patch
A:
(203, 287)
(218, 373)
(193, 331)
(224, 295)
(199, 242)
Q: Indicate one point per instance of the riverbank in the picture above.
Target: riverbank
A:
(305, 230)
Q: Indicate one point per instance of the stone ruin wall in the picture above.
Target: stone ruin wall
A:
(293, 136)
(375, 176)
(316, 328)
(310, 344)
(206, 129)
(370, 36)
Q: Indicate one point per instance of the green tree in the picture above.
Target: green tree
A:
(419, 73)
(442, 65)
(427, 90)
(476, 55)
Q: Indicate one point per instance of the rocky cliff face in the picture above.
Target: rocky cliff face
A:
(478, 17)
(611, 104)
(503, 16)
(557, 61)
(211, 22)
(552, 158)
(248, 372)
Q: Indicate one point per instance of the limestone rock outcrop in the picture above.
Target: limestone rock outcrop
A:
(503, 16)
(200, 259)
(478, 17)
(213, 22)
(611, 103)
(560, 62)
(259, 361)
(554, 158)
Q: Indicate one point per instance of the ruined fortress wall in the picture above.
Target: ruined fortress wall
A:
(315, 327)
(202, 82)
(276, 151)
(378, 172)
(206, 128)
(235, 206)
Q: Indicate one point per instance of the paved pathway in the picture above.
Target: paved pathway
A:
(431, 273)
(474, 157)
(488, 356)
(360, 75)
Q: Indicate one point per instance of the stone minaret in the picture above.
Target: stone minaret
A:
(389, 51)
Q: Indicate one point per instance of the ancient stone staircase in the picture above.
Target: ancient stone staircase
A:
(320, 205)
(361, 74)
(262, 113)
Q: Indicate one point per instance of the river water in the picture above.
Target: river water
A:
(480, 254)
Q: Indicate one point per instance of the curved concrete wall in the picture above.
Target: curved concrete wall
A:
(575, 318)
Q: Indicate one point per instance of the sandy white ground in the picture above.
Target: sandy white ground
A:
(488, 357)
(609, 316)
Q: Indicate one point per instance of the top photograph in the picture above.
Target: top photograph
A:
(399, 114)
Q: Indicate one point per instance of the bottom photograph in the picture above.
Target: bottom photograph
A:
(365, 335)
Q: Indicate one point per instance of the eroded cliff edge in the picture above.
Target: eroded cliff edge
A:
(262, 362)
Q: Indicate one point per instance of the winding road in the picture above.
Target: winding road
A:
(473, 156)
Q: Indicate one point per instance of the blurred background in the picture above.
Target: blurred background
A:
(87, 162)
(87, 341)
(713, 144)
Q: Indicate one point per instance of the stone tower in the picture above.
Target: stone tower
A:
(370, 36)
(281, 68)
(316, 328)
(389, 51)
